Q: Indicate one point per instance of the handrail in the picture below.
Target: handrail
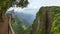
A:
(10, 27)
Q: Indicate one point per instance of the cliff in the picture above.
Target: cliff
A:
(47, 21)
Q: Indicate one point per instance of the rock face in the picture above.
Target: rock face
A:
(46, 21)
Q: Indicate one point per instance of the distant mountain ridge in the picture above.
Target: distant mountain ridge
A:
(27, 19)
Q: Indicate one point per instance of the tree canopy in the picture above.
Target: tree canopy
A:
(5, 4)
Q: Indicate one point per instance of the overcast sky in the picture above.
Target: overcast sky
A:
(34, 5)
(39, 3)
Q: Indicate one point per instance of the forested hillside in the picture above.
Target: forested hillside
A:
(47, 21)
(22, 22)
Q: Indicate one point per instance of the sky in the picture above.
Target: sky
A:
(39, 3)
(34, 6)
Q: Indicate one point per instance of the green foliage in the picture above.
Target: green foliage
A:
(23, 3)
(20, 28)
(5, 4)
(56, 23)
(53, 20)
